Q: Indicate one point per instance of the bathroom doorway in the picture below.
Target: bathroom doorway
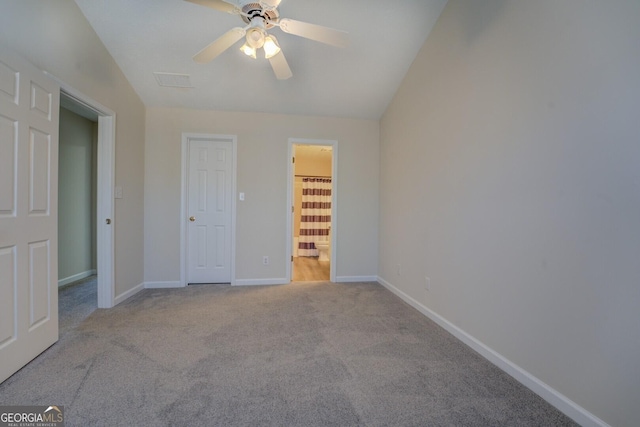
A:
(312, 198)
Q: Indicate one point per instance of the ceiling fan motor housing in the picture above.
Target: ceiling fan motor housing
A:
(255, 10)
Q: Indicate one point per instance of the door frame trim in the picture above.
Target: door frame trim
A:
(334, 201)
(184, 202)
(106, 146)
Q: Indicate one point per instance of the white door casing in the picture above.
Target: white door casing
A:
(105, 191)
(334, 202)
(210, 198)
(29, 110)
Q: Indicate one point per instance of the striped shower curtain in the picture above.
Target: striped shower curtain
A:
(315, 220)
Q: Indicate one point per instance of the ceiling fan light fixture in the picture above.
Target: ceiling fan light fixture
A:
(248, 50)
(255, 38)
(271, 47)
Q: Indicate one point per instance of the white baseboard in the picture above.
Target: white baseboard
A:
(353, 279)
(76, 277)
(128, 294)
(555, 398)
(260, 282)
(163, 285)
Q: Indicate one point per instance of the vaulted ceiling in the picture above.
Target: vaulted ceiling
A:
(147, 36)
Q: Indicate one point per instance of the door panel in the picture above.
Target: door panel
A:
(202, 191)
(29, 108)
(8, 82)
(201, 231)
(39, 177)
(8, 293)
(220, 192)
(220, 260)
(8, 161)
(41, 100)
(39, 283)
(209, 204)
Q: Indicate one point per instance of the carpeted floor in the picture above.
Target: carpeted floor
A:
(76, 302)
(306, 354)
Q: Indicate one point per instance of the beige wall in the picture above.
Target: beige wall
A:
(55, 36)
(510, 175)
(262, 176)
(76, 189)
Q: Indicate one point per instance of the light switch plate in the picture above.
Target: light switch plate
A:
(118, 191)
(241, 196)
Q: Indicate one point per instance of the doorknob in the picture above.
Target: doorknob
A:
(108, 221)
(192, 218)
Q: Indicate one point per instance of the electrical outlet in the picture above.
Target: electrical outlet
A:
(265, 260)
(427, 283)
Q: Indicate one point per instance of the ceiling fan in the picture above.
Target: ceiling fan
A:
(261, 16)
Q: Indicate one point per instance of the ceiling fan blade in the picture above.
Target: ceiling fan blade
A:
(269, 4)
(280, 66)
(219, 45)
(220, 5)
(315, 32)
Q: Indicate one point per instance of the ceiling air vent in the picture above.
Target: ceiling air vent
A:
(173, 80)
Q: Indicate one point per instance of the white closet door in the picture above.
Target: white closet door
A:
(29, 109)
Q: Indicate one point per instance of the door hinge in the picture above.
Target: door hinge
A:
(292, 209)
(291, 258)
(293, 160)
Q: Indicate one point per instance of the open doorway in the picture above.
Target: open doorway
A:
(77, 213)
(103, 213)
(312, 219)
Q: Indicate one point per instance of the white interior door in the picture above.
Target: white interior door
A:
(29, 110)
(209, 200)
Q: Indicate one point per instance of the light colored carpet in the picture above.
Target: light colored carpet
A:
(76, 302)
(306, 354)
